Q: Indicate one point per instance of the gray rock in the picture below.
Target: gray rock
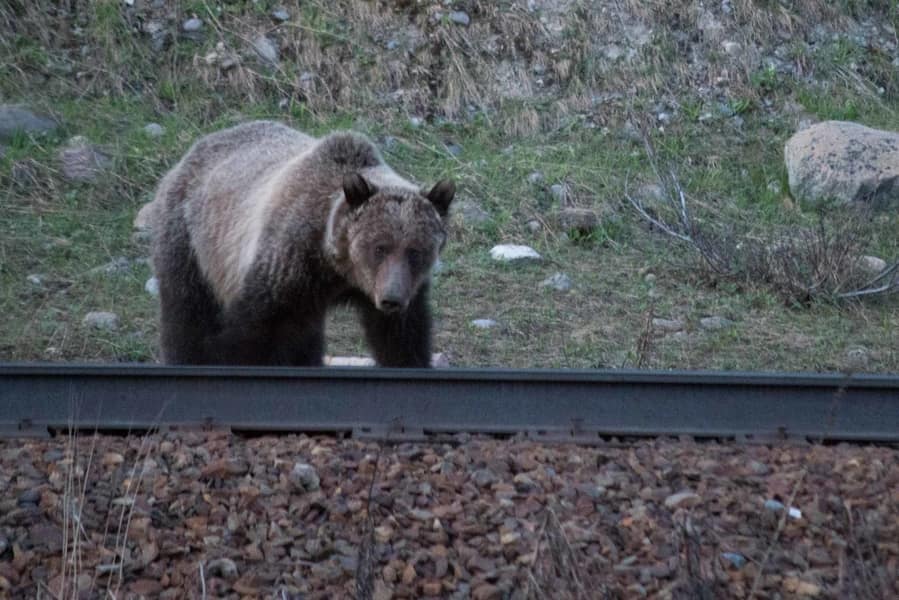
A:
(192, 25)
(116, 266)
(734, 559)
(483, 323)
(471, 213)
(514, 253)
(732, 48)
(159, 35)
(714, 323)
(36, 279)
(872, 265)
(16, 118)
(844, 162)
(154, 130)
(685, 499)
(416, 122)
(280, 14)
(82, 161)
(305, 477)
(152, 287)
(454, 149)
(559, 282)
(667, 325)
(535, 178)
(560, 193)
(101, 320)
(483, 477)
(266, 50)
(858, 357)
(534, 226)
(580, 219)
(460, 17)
(392, 44)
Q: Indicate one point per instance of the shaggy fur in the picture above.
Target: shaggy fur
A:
(261, 228)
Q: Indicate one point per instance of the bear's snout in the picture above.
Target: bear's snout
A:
(395, 287)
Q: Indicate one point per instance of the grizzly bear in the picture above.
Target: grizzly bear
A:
(260, 229)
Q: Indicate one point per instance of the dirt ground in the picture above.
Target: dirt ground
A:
(210, 514)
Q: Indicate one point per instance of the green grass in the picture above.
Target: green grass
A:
(62, 230)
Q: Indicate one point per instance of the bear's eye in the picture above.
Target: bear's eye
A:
(415, 257)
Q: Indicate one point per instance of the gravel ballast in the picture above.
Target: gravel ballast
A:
(177, 514)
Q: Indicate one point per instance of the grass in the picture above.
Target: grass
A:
(732, 164)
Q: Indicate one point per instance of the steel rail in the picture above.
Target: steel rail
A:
(553, 405)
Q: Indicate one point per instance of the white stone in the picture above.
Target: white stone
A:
(101, 320)
(152, 286)
(513, 252)
(483, 323)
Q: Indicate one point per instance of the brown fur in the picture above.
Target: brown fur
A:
(261, 228)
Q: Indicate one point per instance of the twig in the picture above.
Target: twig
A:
(202, 582)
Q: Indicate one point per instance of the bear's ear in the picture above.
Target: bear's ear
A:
(441, 195)
(356, 190)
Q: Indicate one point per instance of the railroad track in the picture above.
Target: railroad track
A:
(399, 404)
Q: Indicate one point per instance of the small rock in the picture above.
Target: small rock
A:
(36, 280)
(17, 118)
(460, 17)
(30, 496)
(667, 325)
(858, 357)
(732, 48)
(116, 266)
(560, 193)
(580, 219)
(431, 588)
(416, 122)
(486, 591)
(222, 567)
(192, 25)
(872, 265)
(439, 360)
(738, 561)
(686, 499)
(758, 468)
(513, 252)
(483, 477)
(152, 287)
(454, 149)
(266, 50)
(715, 323)
(280, 14)
(154, 130)
(101, 320)
(305, 477)
(535, 178)
(81, 161)
(483, 323)
(773, 505)
(559, 282)
(534, 226)
(392, 44)
(471, 213)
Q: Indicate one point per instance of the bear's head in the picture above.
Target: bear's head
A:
(385, 241)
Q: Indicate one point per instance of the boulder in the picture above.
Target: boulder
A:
(844, 162)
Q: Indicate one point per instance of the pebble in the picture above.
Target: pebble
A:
(101, 320)
(154, 130)
(559, 192)
(684, 499)
(514, 252)
(483, 323)
(280, 14)
(738, 561)
(535, 178)
(534, 226)
(715, 323)
(192, 25)
(152, 287)
(266, 50)
(667, 325)
(559, 282)
(454, 149)
(416, 122)
(36, 280)
(460, 17)
(305, 477)
(872, 264)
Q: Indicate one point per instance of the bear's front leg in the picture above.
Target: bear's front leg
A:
(400, 339)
